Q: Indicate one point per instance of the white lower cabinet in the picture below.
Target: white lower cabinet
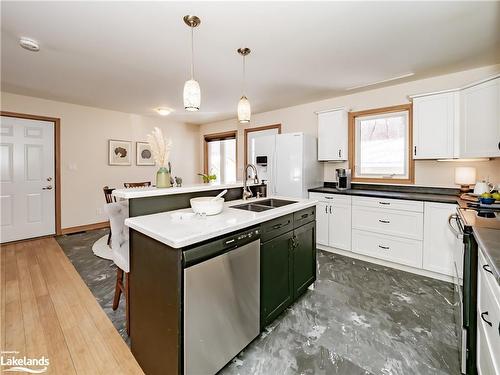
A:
(440, 243)
(333, 220)
(395, 249)
(488, 320)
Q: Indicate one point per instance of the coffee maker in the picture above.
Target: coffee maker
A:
(343, 178)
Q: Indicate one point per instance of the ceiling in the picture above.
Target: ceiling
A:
(134, 56)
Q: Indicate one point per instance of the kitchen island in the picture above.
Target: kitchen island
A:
(202, 288)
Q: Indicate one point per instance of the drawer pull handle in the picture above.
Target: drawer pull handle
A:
(328, 197)
(277, 226)
(487, 268)
(384, 247)
(385, 203)
(484, 319)
(304, 216)
(384, 221)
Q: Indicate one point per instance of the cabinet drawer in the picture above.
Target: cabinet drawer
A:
(396, 223)
(331, 198)
(390, 204)
(304, 216)
(275, 227)
(488, 316)
(485, 357)
(394, 249)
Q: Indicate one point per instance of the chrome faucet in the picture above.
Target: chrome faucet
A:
(247, 193)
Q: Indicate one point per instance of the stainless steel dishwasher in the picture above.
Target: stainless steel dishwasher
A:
(221, 300)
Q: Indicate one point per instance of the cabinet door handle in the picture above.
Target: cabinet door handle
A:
(415, 150)
(384, 247)
(483, 314)
(385, 203)
(326, 209)
(487, 268)
(330, 209)
(340, 153)
(384, 221)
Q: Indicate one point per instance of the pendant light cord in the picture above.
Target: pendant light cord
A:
(192, 52)
(244, 76)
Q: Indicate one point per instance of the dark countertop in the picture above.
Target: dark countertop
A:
(489, 242)
(407, 195)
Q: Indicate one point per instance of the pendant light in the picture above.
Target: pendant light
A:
(244, 110)
(192, 92)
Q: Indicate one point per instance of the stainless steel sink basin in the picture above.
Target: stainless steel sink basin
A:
(252, 207)
(264, 205)
(275, 202)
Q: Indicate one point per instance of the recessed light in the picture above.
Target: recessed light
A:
(29, 44)
(164, 111)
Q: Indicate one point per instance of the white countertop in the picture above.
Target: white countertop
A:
(150, 191)
(180, 233)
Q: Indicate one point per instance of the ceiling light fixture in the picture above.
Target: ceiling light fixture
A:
(192, 91)
(29, 44)
(383, 81)
(244, 110)
(164, 111)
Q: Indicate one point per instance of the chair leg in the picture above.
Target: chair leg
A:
(127, 302)
(109, 238)
(118, 288)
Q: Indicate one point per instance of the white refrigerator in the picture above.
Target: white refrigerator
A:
(288, 162)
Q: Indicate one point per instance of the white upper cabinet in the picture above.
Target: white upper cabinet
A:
(332, 135)
(480, 120)
(435, 118)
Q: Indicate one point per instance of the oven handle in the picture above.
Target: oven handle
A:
(457, 233)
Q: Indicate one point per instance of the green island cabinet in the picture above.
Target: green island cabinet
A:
(288, 261)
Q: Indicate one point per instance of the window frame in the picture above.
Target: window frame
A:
(352, 144)
(232, 134)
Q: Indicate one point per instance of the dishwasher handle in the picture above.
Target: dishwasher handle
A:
(456, 232)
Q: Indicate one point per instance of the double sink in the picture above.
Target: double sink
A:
(267, 204)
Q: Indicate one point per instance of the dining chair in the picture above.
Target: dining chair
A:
(109, 199)
(136, 184)
(118, 212)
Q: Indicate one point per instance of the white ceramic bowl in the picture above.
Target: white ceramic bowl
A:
(207, 205)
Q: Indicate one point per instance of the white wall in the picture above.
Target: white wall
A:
(301, 118)
(84, 143)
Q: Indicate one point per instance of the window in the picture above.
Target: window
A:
(220, 156)
(381, 145)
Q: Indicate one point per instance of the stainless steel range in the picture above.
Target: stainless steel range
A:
(462, 225)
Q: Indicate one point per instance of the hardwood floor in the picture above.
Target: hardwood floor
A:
(47, 310)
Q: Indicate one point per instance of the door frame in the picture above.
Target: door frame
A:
(57, 158)
(257, 129)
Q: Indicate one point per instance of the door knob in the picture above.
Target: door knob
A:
(47, 187)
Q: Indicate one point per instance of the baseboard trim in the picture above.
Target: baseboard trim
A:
(402, 267)
(84, 228)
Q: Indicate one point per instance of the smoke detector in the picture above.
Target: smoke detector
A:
(29, 44)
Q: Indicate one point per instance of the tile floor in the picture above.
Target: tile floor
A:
(360, 318)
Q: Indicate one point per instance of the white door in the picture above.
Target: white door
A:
(322, 226)
(434, 118)
(333, 135)
(340, 226)
(288, 174)
(27, 178)
(480, 120)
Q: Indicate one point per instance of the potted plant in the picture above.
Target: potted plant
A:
(208, 177)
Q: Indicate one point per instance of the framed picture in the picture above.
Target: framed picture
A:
(119, 152)
(144, 155)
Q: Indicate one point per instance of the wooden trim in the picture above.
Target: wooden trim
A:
(86, 227)
(251, 130)
(57, 158)
(352, 143)
(215, 136)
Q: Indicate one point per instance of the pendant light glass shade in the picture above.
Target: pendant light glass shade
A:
(192, 95)
(244, 110)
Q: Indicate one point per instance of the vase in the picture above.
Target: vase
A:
(163, 178)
